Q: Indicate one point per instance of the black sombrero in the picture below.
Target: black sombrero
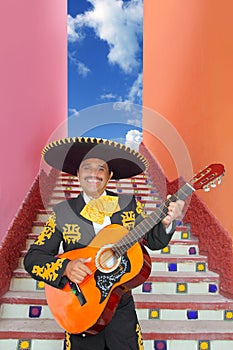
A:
(67, 154)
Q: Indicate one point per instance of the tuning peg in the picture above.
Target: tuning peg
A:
(219, 180)
(206, 189)
(213, 184)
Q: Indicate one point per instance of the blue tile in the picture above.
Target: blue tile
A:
(213, 288)
(192, 315)
(172, 267)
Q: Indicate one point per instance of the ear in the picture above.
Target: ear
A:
(110, 175)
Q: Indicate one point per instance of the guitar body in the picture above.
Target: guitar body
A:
(101, 291)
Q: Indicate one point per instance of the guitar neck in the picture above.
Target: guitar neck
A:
(137, 233)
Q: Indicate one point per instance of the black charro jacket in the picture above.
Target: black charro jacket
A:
(67, 228)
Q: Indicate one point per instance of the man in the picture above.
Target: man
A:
(95, 162)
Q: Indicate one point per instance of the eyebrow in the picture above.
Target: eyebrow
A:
(103, 165)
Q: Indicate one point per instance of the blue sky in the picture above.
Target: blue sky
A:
(105, 67)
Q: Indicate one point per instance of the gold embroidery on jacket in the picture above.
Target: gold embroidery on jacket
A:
(47, 231)
(67, 341)
(49, 271)
(71, 233)
(128, 219)
(139, 334)
(140, 209)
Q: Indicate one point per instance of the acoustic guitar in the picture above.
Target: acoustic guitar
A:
(119, 263)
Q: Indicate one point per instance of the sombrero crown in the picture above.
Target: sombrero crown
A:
(67, 154)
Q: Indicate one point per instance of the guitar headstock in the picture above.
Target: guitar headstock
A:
(208, 177)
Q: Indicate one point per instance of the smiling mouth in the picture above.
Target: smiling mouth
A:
(93, 180)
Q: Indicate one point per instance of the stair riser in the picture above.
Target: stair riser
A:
(23, 311)
(29, 284)
(125, 188)
(26, 310)
(188, 345)
(168, 288)
(174, 249)
(36, 344)
(182, 315)
(37, 228)
(181, 267)
(48, 344)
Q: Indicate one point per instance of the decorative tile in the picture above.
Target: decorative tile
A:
(154, 314)
(228, 315)
(166, 250)
(39, 285)
(160, 345)
(24, 344)
(185, 235)
(213, 288)
(200, 267)
(204, 345)
(181, 288)
(192, 314)
(147, 287)
(172, 267)
(192, 251)
(35, 311)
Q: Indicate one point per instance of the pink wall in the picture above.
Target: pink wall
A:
(33, 92)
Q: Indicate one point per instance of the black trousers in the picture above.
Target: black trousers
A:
(122, 333)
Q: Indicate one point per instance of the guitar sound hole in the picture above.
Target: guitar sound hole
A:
(106, 260)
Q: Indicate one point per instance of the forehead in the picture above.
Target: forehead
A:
(94, 162)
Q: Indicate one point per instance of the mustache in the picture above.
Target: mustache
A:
(93, 178)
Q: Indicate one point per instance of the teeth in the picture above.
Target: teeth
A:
(92, 181)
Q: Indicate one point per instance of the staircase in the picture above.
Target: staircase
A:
(179, 306)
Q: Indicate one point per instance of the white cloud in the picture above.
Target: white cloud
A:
(73, 33)
(108, 96)
(81, 68)
(73, 112)
(133, 139)
(135, 93)
(117, 23)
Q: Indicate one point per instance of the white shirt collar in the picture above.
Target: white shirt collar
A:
(87, 198)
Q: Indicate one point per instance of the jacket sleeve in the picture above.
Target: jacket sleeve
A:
(157, 238)
(41, 260)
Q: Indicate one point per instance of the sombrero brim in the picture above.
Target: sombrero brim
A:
(67, 154)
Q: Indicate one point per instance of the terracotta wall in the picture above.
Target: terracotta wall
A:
(33, 89)
(188, 77)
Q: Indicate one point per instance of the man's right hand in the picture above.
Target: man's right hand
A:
(76, 270)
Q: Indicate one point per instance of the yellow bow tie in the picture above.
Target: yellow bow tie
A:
(96, 209)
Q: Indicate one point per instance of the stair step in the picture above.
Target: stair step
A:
(179, 307)
(30, 328)
(34, 305)
(196, 330)
(165, 263)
